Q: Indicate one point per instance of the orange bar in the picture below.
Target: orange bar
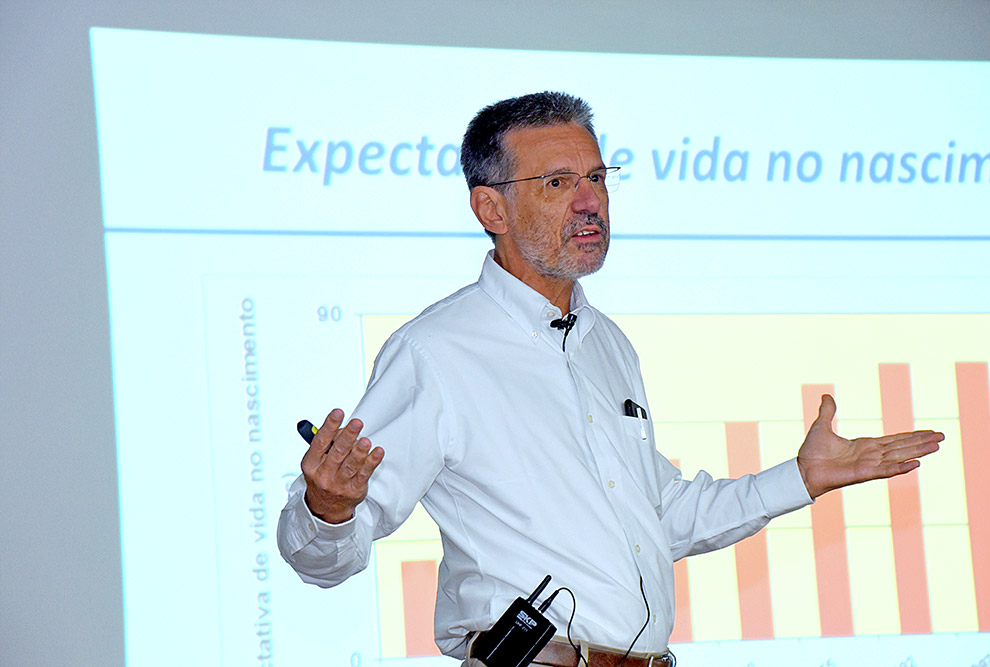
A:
(897, 407)
(682, 632)
(973, 387)
(828, 529)
(419, 595)
(752, 555)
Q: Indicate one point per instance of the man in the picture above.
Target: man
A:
(516, 413)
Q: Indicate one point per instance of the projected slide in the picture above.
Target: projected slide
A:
(273, 209)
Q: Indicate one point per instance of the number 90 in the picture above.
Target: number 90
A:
(334, 314)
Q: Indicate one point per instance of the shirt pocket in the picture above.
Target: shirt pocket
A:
(637, 454)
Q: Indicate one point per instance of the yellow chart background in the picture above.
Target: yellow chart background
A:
(704, 370)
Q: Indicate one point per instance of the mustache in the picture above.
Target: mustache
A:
(583, 221)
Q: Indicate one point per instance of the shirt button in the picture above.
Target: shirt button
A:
(611, 484)
(590, 420)
(637, 548)
(311, 526)
(536, 334)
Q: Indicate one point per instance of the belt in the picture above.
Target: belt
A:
(562, 654)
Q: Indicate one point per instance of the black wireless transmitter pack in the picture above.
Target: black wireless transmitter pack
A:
(519, 635)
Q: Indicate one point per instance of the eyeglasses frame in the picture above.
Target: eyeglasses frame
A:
(607, 170)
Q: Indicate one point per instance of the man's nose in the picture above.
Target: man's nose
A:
(586, 199)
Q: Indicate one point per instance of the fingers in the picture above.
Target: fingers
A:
(323, 440)
(912, 453)
(896, 454)
(361, 462)
(353, 459)
(906, 446)
(344, 441)
(892, 469)
(911, 437)
(337, 467)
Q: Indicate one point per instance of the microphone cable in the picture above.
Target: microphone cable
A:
(546, 604)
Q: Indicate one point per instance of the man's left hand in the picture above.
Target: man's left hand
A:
(828, 461)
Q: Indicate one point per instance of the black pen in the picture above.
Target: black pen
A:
(632, 409)
(307, 431)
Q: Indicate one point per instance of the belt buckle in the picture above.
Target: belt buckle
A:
(665, 659)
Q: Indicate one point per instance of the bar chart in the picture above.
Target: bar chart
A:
(733, 394)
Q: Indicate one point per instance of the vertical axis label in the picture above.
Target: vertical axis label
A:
(828, 529)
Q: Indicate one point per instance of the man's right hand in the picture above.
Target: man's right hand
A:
(337, 467)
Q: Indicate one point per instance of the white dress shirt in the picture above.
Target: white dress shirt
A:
(521, 453)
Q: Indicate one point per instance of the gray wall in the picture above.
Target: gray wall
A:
(60, 592)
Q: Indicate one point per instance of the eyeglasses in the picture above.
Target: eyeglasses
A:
(602, 180)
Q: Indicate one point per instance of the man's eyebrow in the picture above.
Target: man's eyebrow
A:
(568, 170)
(562, 170)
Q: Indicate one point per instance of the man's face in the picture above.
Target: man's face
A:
(560, 233)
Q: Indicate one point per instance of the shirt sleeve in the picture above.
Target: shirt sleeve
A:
(321, 553)
(403, 411)
(704, 514)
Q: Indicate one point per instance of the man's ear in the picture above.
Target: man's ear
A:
(490, 208)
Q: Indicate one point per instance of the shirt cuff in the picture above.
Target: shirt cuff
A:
(332, 531)
(304, 527)
(782, 488)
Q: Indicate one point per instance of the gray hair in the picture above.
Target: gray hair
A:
(484, 157)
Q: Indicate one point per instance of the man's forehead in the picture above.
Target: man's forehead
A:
(561, 145)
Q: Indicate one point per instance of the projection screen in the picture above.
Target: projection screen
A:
(272, 208)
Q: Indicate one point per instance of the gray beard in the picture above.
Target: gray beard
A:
(563, 266)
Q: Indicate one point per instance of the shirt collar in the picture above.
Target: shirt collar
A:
(529, 309)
